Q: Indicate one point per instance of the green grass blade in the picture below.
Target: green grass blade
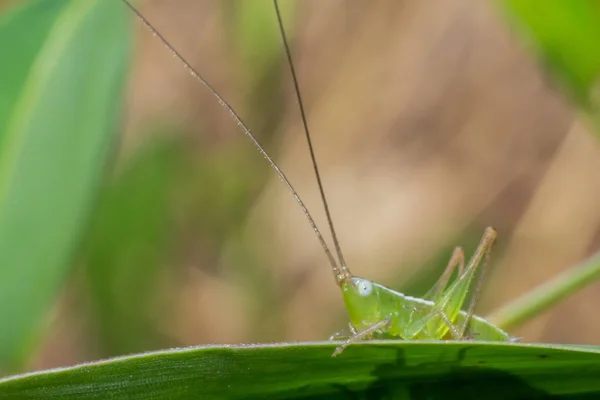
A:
(62, 81)
(548, 294)
(564, 34)
(390, 370)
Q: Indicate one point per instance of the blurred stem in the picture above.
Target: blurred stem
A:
(547, 294)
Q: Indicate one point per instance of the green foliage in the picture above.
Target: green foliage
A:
(59, 103)
(128, 245)
(378, 370)
(564, 34)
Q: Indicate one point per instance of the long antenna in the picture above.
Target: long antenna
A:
(344, 269)
(340, 273)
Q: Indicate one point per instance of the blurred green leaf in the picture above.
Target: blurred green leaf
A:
(565, 34)
(129, 242)
(255, 33)
(62, 81)
(374, 370)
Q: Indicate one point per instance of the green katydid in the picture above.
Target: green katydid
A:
(373, 308)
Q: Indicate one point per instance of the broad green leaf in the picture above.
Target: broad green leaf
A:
(375, 370)
(64, 63)
(129, 242)
(565, 34)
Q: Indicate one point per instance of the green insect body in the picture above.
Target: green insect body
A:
(409, 316)
(373, 308)
(376, 309)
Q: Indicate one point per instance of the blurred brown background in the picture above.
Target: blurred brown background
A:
(430, 121)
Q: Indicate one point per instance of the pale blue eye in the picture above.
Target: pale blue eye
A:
(364, 287)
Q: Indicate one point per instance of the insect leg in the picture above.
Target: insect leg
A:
(456, 333)
(417, 326)
(449, 303)
(482, 254)
(457, 258)
(361, 335)
(343, 334)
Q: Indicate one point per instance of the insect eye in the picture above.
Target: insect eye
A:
(364, 287)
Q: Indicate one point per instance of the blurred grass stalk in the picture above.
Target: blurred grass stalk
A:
(548, 294)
